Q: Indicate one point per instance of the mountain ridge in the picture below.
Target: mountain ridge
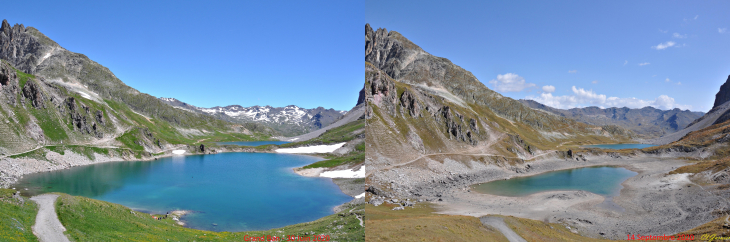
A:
(648, 122)
(290, 120)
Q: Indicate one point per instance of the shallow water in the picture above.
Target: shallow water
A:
(254, 143)
(604, 181)
(236, 191)
(620, 146)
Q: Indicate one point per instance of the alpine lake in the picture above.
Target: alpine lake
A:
(224, 192)
(603, 180)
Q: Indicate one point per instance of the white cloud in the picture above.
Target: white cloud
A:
(595, 82)
(663, 31)
(626, 62)
(548, 88)
(679, 83)
(662, 46)
(667, 80)
(582, 97)
(653, 76)
(643, 64)
(572, 71)
(697, 16)
(721, 30)
(510, 82)
(679, 36)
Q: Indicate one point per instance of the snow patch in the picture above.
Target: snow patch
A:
(311, 149)
(344, 173)
(178, 152)
(361, 195)
(85, 95)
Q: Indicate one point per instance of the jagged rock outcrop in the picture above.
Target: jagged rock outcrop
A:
(8, 83)
(382, 91)
(33, 92)
(79, 120)
(724, 94)
(99, 116)
(410, 102)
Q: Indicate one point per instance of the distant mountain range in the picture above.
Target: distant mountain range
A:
(647, 122)
(289, 121)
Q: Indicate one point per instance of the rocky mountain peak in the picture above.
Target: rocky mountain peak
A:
(5, 27)
(724, 94)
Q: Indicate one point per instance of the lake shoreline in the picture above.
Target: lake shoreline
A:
(13, 169)
(582, 211)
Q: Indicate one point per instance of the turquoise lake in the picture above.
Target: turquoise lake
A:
(620, 146)
(604, 181)
(236, 191)
(254, 143)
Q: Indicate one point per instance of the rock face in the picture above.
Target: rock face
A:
(79, 119)
(32, 91)
(724, 94)
(648, 122)
(18, 46)
(8, 84)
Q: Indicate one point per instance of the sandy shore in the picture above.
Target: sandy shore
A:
(313, 172)
(650, 203)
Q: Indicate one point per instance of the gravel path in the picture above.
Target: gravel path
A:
(499, 224)
(47, 227)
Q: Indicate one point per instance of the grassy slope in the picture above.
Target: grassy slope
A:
(58, 128)
(533, 230)
(87, 219)
(421, 224)
(16, 218)
(415, 224)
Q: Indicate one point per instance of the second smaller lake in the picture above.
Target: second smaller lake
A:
(253, 143)
(604, 181)
(619, 146)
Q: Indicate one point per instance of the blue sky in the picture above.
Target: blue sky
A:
(215, 53)
(666, 54)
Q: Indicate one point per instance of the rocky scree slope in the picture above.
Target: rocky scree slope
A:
(423, 111)
(288, 121)
(647, 122)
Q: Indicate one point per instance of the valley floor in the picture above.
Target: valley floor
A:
(651, 203)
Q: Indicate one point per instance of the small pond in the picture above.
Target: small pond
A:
(604, 181)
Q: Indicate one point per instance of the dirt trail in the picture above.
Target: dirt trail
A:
(47, 226)
(499, 224)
